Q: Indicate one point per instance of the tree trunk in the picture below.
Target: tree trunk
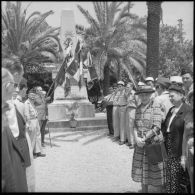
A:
(153, 28)
(106, 81)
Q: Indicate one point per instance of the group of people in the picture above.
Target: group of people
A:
(158, 113)
(23, 121)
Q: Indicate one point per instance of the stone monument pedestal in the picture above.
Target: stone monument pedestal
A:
(57, 110)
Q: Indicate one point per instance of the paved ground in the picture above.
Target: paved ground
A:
(84, 162)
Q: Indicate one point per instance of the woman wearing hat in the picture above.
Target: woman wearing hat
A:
(147, 124)
(188, 143)
(32, 124)
(173, 128)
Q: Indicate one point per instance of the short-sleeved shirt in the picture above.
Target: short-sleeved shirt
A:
(131, 101)
(121, 98)
(30, 110)
(164, 102)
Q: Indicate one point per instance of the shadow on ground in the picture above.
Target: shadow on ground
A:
(80, 135)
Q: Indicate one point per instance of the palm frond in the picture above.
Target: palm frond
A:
(89, 18)
(116, 52)
(122, 12)
(126, 66)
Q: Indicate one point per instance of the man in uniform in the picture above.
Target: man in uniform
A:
(42, 111)
(130, 114)
(120, 102)
(162, 85)
(108, 103)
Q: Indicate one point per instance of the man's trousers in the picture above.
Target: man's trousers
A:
(130, 118)
(34, 135)
(109, 110)
(42, 129)
(119, 119)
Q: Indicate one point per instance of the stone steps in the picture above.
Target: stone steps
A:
(92, 123)
(86, 128)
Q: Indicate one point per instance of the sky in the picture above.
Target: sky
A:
(172, 11)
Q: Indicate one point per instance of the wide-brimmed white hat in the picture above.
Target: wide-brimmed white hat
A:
(121, 83)
(149, 79)
(141, 83)
(176, 79)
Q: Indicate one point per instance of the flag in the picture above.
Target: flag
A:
(67, 87)
(74, 67)
(61, 74)
(92, 71)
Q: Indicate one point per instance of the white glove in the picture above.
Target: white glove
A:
(183, 162)
(140, 142)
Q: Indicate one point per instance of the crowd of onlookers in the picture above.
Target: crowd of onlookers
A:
(24, 117)
(156, 120)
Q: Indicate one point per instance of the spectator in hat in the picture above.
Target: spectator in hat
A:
(150, 82)
(188, 142)
(32, 124)
(120, 102)
(162, 85)
(41, 108)
(147, 124)
(173, 128)
(176, 80)
(19, 102)
(141, 84)
(187, 78)
(130, 114)
(107, 103)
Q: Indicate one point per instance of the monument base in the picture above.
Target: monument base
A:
(58, 111)
(99, 122)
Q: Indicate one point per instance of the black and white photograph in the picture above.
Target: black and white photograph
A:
(97, 96)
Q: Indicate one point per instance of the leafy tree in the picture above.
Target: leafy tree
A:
(106, 36)
(174, 53)
(30, 37)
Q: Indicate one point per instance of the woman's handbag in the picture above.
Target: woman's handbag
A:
(156, 152)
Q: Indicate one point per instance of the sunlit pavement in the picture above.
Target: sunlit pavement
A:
(84, 161)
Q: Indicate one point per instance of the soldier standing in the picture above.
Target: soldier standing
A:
(130, 114)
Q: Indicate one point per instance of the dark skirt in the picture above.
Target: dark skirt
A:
(174, 170)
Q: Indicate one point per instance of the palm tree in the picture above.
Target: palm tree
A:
(153, 28)
(106, 36)
(30, 37)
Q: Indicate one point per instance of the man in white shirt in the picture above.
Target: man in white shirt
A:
(162, 85)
